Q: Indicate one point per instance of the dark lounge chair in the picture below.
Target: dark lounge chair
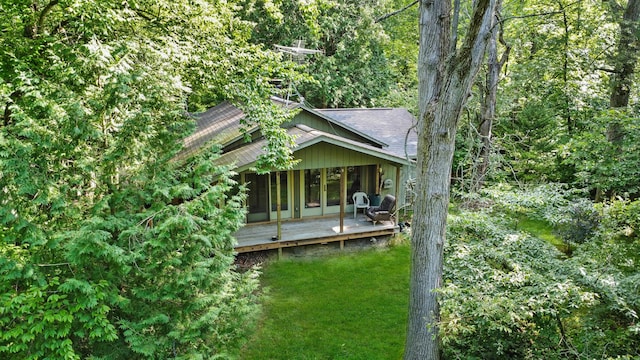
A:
(384, 212)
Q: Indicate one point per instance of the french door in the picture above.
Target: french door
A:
(262, 197)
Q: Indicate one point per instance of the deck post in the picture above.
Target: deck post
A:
(278, 206)
(378, 185)
(343, 196)
(398, 195)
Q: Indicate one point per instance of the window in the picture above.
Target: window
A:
(333, 186)
(284, 204)
(257, 199)
(312, 188)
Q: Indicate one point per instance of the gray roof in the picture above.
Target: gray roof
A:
(371, 139)
(383, 127)
(221, 122)
(245, 157)
(388, 125)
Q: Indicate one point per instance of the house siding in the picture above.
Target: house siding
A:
(325, 155)
(313, 121)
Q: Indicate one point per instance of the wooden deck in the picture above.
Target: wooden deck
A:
(258, 237)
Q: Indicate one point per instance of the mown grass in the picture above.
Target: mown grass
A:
(347, 306)
(541, 229)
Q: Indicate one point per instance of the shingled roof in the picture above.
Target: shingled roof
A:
(389, 125)
(221, 122)
(382, 127)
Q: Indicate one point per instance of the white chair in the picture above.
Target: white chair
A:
(360, 201)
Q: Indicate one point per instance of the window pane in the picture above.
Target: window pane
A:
(312, 188)
(354, 183)
(333, 186)
(284, 205)
(257, 199)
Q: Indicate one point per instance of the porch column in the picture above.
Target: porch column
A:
(398, 192)
(343, 196)
(278, 206)
(398, 184)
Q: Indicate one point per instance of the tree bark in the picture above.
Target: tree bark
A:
(488, 103)
(624, 63)
(445, 79)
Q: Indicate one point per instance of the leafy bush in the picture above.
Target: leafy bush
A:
(505, 294)
(540, 202)
(510, 294)
(608, 266)
(601, 165)
(156, 283)
(579, 223)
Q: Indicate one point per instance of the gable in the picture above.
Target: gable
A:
(316, 120)
(393, 126)
(377, 133)
(327, 155)
(320, 148)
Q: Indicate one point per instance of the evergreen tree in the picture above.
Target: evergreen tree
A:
(109, 248)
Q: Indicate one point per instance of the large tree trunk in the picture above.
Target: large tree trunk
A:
(624, 63)
(445, 81)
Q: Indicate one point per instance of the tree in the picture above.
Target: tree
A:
(108, 247)
(489, 93)
(624, 62)
(552, 87)
(445, 75)
(353, 70)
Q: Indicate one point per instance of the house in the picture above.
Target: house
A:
(373, 148)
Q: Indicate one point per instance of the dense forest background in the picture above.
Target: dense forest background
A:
(107, 243)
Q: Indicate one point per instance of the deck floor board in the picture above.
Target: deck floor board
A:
(254, 237)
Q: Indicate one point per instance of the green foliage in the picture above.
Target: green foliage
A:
(353, 70)
(601, 165)
(608, 266)
(552, 87)
(540, 202)
(505, 294)
(109, 248)
(510, 294)
(579, 224)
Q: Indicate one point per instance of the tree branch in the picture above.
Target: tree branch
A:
(385, 17)
(44, 13)
(507, 47)
(454, 25)
(541, 14)
(57, 264)
(608, 70)
(32, 30)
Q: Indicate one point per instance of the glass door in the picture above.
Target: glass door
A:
(285, 209)
(333, 187)
(312, 192)
(258, 197)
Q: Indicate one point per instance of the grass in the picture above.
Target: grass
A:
(541, 229)
(347, 306)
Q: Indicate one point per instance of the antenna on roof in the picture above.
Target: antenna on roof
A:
(298, 53)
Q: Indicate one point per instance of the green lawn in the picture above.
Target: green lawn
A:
(347, 306)
(542, 230)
